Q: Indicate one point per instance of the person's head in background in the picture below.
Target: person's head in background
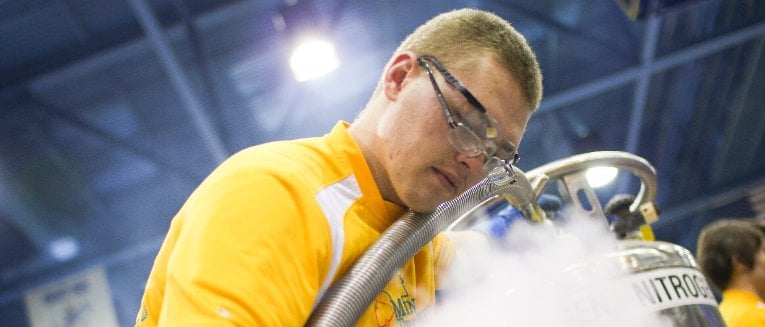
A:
(732, 254)
(404, 129)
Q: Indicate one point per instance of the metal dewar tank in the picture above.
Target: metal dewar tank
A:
(652, 283)
(663, 278)
(666, 278)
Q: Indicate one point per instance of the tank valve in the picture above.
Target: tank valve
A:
(628, 222)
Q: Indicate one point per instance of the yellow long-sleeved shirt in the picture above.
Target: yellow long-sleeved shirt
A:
(742, 309)
(261, 239)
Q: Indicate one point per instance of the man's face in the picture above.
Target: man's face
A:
(423, 167)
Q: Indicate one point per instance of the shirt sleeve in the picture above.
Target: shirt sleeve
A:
(755, 317)
(248, 255)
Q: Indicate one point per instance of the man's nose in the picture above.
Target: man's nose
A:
(473, 164)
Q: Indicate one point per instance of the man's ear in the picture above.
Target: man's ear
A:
(398, 72)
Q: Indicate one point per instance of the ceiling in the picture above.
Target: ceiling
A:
(112, 111)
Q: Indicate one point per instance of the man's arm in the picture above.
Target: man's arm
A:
(246, 256)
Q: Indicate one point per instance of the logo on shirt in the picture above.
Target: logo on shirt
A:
(389, 307)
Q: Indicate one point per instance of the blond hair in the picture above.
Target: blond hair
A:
(458, 37)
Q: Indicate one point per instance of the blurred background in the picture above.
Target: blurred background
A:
(112, 111)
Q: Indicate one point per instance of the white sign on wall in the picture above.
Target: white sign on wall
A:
(81, 300)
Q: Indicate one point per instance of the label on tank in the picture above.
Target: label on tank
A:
(671, 287)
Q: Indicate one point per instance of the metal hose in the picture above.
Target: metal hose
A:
(350, 296)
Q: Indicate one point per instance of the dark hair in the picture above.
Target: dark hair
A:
(723, 241)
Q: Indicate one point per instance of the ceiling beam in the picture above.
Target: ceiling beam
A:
(179, 80)
(738, 150)
(546, 20)
(72, 119)
(572, 95)
(201, 59)
(641, 89)
(105, 59)
(708, 202)
(640, 96)
(92, 61)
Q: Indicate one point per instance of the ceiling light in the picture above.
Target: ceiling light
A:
(313, 58)
(312, 55)
(600, 176)
(64, 248)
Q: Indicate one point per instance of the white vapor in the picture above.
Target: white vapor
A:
(544, 275)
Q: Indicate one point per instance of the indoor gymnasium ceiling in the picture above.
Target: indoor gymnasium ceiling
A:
(112, 111)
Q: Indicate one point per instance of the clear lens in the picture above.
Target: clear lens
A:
(490, 148)
(470, 144)
(492, 165)
(465, 141)
(506, 150)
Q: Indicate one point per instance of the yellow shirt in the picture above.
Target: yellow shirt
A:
(263, 237)
(742, 309)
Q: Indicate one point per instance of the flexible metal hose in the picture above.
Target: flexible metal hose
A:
(350, 296)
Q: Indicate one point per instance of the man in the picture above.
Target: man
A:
(264, 236)
(732, 254)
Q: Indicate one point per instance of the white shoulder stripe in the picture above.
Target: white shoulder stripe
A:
(335, 200)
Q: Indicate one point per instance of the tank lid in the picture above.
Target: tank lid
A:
(644, 255)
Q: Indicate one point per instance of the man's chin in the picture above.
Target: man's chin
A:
(425, 207)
